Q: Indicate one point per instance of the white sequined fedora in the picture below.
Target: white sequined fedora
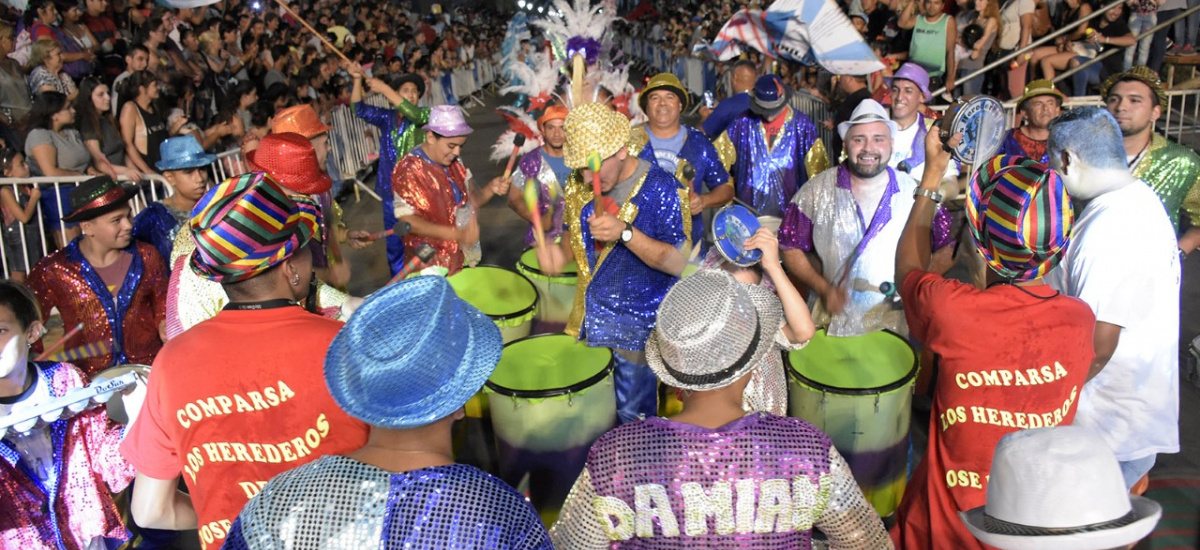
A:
(711, 331)
(1059, 488)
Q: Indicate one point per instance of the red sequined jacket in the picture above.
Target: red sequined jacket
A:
(65, 280)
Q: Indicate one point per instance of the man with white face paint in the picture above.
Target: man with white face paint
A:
(850, 218)
(1130, 278)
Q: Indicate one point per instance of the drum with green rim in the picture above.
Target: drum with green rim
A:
(550, 398)
(858, 390)
(556, 293)
(506, 296)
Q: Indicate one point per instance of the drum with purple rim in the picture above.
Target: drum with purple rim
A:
(858, 390)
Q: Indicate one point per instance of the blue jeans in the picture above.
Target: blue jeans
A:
(1187, 30)
(636, 385)
(1138, 24)
(1082, 79)
(1133, 470)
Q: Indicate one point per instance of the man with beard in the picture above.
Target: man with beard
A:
(1136, 98)
(544, 165)
(1040, 104)
(910, 93)
(666, 142)
(850, 217)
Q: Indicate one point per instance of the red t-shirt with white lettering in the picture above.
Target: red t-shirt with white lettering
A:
(1008, 359)
(235, 400)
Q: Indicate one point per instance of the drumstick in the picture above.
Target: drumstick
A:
(404, 227)
(531, 202)
(60, 343)
(424, 254)
(594, 162)
(518, 142)
(326, 41)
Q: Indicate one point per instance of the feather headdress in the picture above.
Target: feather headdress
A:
(519, 122)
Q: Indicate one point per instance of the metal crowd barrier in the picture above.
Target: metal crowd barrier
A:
(35, 244)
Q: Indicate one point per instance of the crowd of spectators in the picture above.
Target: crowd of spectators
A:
(95, 87)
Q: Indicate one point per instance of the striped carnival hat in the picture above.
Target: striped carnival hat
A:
(1020, 216)
(248, 224)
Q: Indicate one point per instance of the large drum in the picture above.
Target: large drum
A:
(858, 390)
(556, 293)
(550, 397)
(505, 296)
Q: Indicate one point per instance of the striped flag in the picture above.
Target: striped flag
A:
(805, 31)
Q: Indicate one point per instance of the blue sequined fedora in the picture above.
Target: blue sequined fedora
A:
(181, 153)
(412, 354)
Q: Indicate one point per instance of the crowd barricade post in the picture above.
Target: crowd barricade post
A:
(818, 111)
(151, 188)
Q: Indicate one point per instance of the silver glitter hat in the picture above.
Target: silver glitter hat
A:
(711, 331)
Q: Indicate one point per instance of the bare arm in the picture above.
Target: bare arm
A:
(1190, 240)
(951, 58)
(9, 202)
(98, 159)
(159, 504)
(46, 156)
(422, 227)
(915, 249)
(799, 327)
(129, 125)
(516, 201)
(1104, 342)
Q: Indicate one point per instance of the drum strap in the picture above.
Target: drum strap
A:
(723, 374)
(254, 306)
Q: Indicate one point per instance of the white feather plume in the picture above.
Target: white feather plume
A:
(540, 78)
(504, 145)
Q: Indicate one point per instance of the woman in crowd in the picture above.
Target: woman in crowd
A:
(986, 15)
(143, 127)
(22, 237)
(79, 45)
(39, 19)
(55, 149)
(262, 114)
(14, 90)
(94, 119)
(1068, 46)
(1111, 31)
(46, 74)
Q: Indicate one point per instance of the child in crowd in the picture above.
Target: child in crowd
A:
(22, 239)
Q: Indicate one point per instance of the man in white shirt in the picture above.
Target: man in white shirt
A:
(910, 93)
(1124, 263)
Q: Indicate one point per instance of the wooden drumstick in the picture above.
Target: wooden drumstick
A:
(60, 343)
(531, 202)
(326, 41)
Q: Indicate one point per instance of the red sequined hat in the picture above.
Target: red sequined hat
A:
(96, 197)
(301, 119)
(291, 161)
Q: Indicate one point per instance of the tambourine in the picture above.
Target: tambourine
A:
(981, 123)
(24, 418)
(731, 226)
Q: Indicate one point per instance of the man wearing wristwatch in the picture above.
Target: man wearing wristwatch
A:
(848, 220)
(629, 254)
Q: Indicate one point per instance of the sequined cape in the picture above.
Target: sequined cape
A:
(700, 153)
(1173, 172)
(533, 167)
(399, 131)
(65, 280)
(336, 502)
(158, 225)
(766, 177)
(617, 294)
(427, 187)
(87, 469)
(660, 484)
(192, 298)
(825, 218)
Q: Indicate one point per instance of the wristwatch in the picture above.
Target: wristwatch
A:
(627, 233)
(928, 193)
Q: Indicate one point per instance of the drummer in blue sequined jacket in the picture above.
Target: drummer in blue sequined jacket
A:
(673, 147)
(628, 256)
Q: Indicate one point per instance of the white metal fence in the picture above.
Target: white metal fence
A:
(24, 244)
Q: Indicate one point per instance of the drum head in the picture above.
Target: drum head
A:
(116, 407)
(497, 292)
(732, 225)
(549, 365)
(981, 122)
(528, 265)
(876, 362)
